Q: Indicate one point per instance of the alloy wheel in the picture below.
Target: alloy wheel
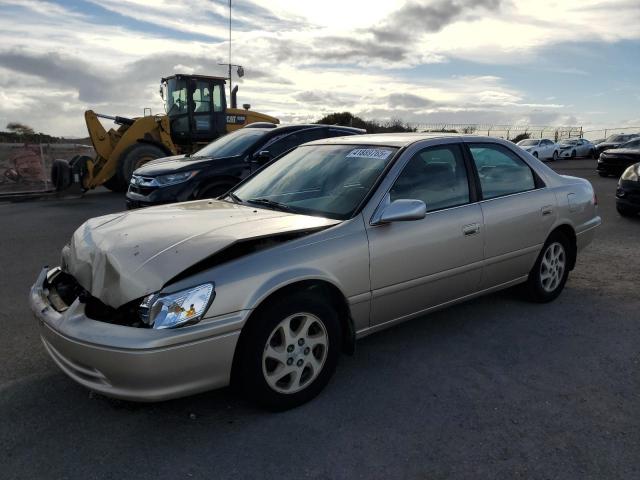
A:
(295, 353)
(552, 267)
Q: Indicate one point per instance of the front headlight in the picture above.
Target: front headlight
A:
(173, 178)
(632, 173)
(176, 309)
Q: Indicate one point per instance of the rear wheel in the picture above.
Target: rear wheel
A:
(592, 153)
(535, 154)
(551, 270)
(603, 174)
(61, 175)
(134, 157)
(573, 154)
(289, 352)
(555, 155)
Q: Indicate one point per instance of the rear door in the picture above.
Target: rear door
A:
(518, 211)
(419, 264)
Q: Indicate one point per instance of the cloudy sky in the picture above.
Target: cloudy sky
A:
(542, 62)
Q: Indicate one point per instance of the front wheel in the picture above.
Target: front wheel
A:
(555, 155)
(573, 154)
(535, 154)
(551, 270)
(626, 211)
(289, 352)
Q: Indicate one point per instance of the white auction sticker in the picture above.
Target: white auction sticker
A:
(376, 153)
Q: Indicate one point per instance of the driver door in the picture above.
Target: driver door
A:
(415, 265)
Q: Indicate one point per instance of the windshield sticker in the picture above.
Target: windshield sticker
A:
(376, 153)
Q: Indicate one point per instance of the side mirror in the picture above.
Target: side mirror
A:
(403, 210)
(262, 157)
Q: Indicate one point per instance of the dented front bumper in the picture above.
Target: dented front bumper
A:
(135, 363)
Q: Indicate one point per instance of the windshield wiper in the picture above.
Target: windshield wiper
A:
(270, 203)
(234, 197)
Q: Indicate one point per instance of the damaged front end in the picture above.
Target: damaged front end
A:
(162, 309)
(62, 290)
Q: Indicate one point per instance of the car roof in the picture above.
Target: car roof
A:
(280, 129)
(392, 139)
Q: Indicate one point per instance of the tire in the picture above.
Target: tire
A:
(573, 154)
(61, 175)
(535, 154)
(603, 174)
(555, 156)
(257, 363)
(134, 157)
(626, 211)
(592, 154)
(551, 270)
(214, 190)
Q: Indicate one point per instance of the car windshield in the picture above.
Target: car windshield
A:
(232, 144)
(528, 143)
(321, 180)
(618, 138)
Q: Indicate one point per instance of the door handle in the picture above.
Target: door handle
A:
(471, 229)
(547, 210)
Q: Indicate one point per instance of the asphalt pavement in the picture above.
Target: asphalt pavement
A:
(493, 388)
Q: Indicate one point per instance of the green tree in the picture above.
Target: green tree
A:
(19, 128)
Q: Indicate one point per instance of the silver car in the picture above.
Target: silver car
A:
(340, 238)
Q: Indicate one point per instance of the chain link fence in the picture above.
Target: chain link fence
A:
(26, 167)
(603, 133)
(507, 132)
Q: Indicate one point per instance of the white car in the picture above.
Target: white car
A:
(540, 148)
(576, 147)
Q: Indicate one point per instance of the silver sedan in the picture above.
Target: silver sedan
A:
(338, 239)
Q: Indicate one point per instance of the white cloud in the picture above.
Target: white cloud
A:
(303, 59)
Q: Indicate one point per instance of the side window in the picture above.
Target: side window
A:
(437, 176)
(217, 98)
(501, 171)
(278, 147)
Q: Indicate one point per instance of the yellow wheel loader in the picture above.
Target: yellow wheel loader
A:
(196, 114)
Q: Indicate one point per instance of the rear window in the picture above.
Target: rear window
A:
(232, 144)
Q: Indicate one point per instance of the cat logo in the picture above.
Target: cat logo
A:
(236, 119)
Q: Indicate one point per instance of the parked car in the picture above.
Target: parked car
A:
(576, 147)
(614, 141)
(540, 148)
(615, 161)
(335, 240)
(216, 168)
(628, 192)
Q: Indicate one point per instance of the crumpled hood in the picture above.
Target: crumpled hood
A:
(124, 256)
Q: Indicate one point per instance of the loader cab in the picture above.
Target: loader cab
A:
(196, 106)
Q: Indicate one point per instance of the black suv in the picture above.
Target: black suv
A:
(223, 163)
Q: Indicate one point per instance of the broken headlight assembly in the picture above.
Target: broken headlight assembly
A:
(171, 310)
